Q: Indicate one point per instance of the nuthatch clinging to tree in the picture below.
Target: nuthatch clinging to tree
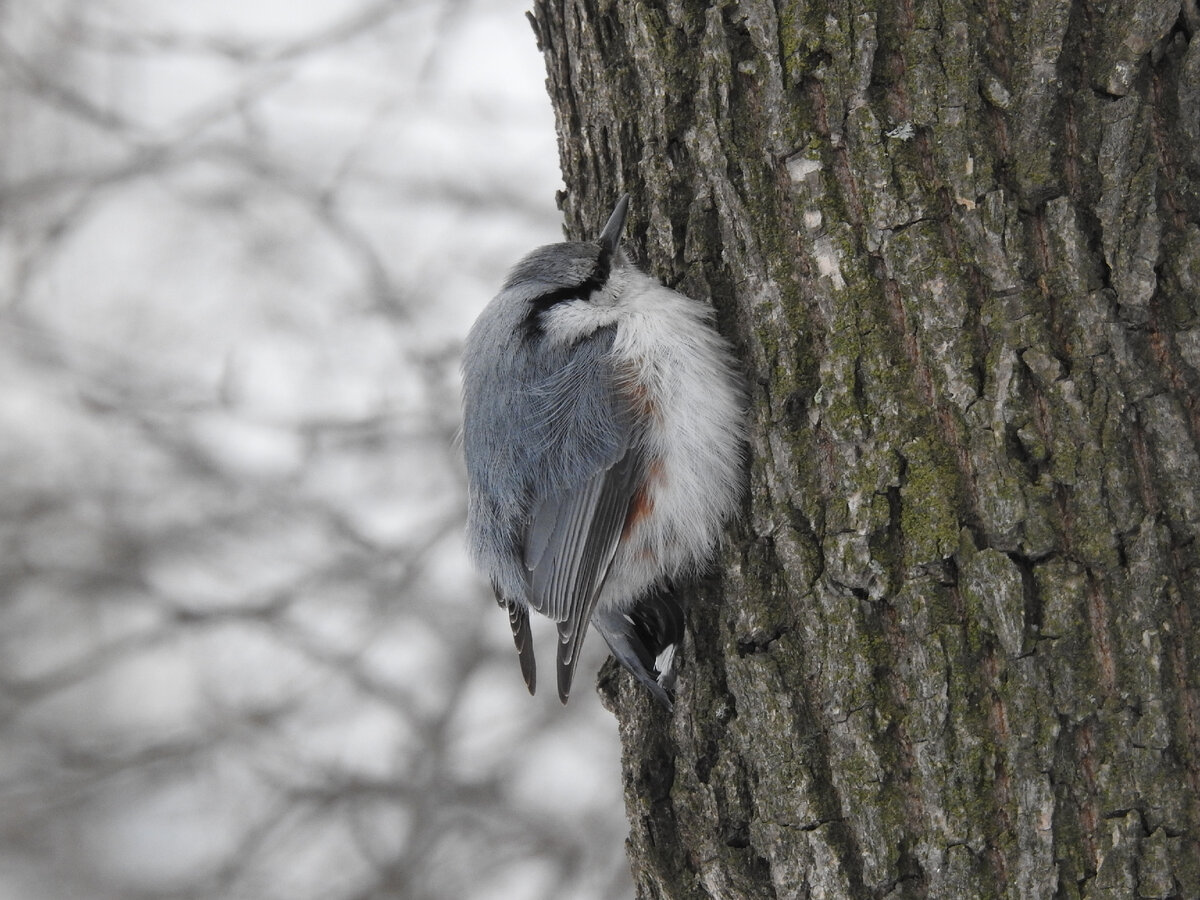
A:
(604, 434)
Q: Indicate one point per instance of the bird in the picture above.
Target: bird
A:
(604, 435)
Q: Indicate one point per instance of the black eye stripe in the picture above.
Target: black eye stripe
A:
(581, 291)
(578, 292)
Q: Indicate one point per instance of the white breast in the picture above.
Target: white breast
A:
(685, 371)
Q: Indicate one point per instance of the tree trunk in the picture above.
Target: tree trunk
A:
(952, 651)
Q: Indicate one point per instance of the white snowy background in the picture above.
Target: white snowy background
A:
(242, 654)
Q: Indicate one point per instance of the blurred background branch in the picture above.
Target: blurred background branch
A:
(241, 652)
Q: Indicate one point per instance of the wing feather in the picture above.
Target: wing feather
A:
(571, 542)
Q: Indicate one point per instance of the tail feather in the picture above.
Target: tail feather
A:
(518, 618)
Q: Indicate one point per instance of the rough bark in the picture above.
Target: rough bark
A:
(952, 650)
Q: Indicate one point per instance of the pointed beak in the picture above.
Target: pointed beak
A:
(610, 237)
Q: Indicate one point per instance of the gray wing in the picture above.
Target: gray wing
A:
(569, 547)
